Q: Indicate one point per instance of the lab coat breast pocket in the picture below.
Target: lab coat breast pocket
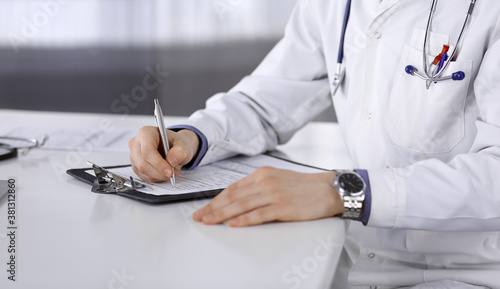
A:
(427, 120)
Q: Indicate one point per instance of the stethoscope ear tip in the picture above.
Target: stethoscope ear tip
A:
(410, 69)
(459, 75)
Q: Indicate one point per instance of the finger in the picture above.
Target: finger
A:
(260, 174)
(177, 171)
(259, 181)
(145, 177)
(145, 170)
(256, 217)
(236, 208)
(237, 190)
(181, 151)
(142, 148)
(156, 164)
(231, 194)
(177, 155)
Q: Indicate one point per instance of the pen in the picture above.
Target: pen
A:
(163, 136)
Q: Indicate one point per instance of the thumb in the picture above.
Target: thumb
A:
(182, 150)
(178, 155)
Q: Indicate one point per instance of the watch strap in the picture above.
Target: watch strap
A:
(353, 205)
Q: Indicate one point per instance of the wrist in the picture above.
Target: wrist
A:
(337, 204)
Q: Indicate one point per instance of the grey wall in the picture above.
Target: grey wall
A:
(94, 79)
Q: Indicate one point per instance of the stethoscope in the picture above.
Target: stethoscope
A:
(24, 145)
(440, 63)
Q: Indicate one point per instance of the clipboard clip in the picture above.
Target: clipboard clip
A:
(107, 182)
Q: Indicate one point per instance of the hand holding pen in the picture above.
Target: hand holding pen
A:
(146, 158)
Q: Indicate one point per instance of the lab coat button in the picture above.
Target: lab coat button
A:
(371, 255)
(377, 35)
(369, 115)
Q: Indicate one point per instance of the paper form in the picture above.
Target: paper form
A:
(214, 176)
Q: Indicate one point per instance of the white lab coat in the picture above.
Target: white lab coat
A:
(433, 156)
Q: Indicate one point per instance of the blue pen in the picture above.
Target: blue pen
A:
(444, 57)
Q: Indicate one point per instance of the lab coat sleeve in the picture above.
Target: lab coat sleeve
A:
(288, 89)
(462, 195)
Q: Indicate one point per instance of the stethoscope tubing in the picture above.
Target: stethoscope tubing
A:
(457, 76)
(339, 74)
(12, 151)
(452, 55)
(33, 142)
(347, 13)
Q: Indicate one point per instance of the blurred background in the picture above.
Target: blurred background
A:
(116, 56)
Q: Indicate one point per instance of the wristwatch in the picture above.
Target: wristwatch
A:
(351, 188)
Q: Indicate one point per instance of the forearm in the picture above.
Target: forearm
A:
(463, 195)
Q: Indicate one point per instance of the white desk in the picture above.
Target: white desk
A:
(69, 237)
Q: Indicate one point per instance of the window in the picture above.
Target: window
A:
(127, 23)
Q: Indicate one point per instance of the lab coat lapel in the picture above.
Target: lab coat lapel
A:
(386, 5)
(384, 11)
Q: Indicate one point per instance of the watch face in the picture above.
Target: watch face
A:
(351, 183)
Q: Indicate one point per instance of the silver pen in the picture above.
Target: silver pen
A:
(164, 147)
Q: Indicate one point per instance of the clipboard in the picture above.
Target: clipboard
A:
(85, 175)
(88, 175)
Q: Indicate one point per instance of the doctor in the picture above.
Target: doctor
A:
(425, 195)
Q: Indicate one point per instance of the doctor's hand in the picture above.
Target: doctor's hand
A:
(148, 163)
(271, 194)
